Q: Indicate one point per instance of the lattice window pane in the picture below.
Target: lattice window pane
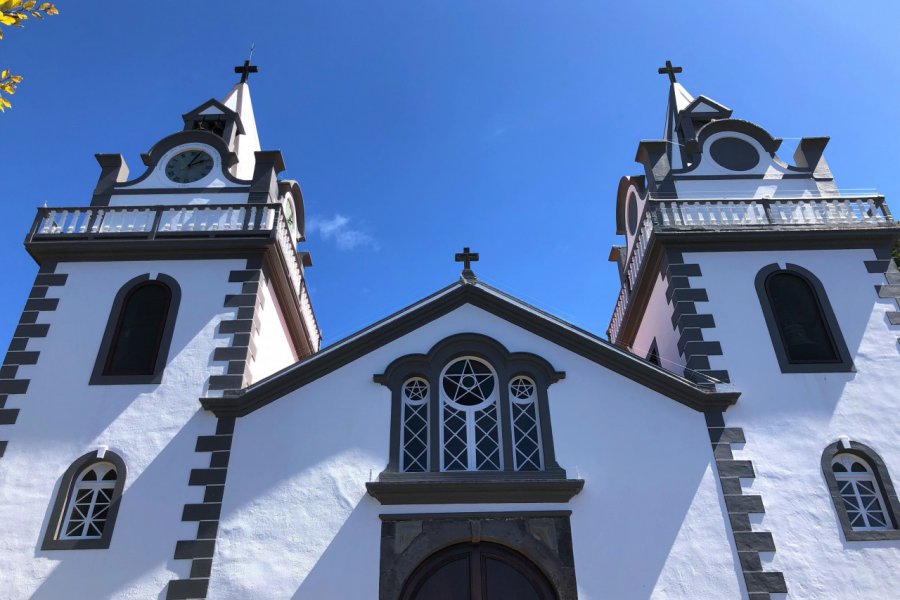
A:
(414, 440)
(860, 494)
(527, 452)
(90, 502)
(487, 439)
(455, 455)
(470, 417)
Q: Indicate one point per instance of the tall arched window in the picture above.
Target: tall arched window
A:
(861, 489)
(135, 345)
(414, 434)
(87, 502)
(526, 427)
(470, 417)
(804, 331)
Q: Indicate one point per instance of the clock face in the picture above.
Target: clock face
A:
(189, 166)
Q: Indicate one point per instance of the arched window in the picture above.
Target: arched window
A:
(135, 346)
(862, 492)
(804, 331)
(470, 417)
(87, 502)
(415, 426)
(477, 572)
(526, 428)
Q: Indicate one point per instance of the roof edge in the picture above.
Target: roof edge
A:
(496, 302)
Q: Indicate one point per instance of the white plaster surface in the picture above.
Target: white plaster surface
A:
(271, 340)
(789, 419)
(657, 324)
(152, 427)
(297, 521)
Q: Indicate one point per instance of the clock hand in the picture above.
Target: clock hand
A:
(198, 155)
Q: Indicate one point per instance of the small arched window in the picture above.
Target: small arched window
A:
(804, 331)
(136, 343)
(526, 428)
(415, 426)
(860, 492)
(87, 502)
(861, 489)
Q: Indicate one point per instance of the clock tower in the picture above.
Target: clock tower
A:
(177, 283)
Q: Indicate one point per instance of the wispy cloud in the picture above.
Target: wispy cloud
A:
(338, 230)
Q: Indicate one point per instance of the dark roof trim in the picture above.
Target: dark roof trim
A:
(720, 111)
(495, 302)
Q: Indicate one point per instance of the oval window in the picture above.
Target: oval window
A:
(734, 154)
(632, 214)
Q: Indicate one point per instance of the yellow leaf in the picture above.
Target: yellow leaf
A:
(29, 4)
(4, 102)
(7, 20)
(4, 73)
(52, 11)
(16, 79)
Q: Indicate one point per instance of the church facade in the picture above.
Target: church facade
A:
(173, 428)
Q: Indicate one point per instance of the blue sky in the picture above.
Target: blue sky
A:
(417, 127)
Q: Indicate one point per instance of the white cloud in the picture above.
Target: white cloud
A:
(338, 229)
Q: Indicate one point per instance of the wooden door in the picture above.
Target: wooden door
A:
(477, 572)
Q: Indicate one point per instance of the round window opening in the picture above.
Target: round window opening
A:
(734, 154)
(632, 213)
(468, 382)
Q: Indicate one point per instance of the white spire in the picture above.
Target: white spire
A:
(238, 100)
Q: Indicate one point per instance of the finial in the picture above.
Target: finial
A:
(247, 68)
(670, 70)
(466, 257)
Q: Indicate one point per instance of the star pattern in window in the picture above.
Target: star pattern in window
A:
(521, 388)
(416, 389)
(468, 382)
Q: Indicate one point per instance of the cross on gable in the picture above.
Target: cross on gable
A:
(466, 257)
(670, 70)
(245, 70)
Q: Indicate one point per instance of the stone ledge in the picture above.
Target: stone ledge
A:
(474, 490)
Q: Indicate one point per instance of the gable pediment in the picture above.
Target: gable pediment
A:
(494, 302)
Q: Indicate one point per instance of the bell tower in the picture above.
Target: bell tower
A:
(743, 271)
(177, 283)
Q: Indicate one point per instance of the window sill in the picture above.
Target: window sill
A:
(87, 544)
(438, 488)
(872, 536)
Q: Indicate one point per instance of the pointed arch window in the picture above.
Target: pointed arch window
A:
(805, 334)
(87, 503)
(861, 489)
(138, 334)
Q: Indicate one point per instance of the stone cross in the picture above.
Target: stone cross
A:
(670, 70)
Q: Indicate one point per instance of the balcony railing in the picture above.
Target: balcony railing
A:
(183, 222)
(839, 212)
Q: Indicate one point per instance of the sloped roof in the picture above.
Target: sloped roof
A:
(494, 301)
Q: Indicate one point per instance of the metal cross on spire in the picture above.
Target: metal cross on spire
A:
(670, 70)
(466, 257)
(247, 68)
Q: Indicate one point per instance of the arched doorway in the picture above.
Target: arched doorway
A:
(477, 572)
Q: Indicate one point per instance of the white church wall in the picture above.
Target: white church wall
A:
(789, 419)
(273, 349)
(297, 521)
(657, 324)
(152, 427)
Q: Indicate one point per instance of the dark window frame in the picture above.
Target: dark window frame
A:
(882, 477)
(507, 485)
(843, 364)
(99, 376)
(62, 502)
